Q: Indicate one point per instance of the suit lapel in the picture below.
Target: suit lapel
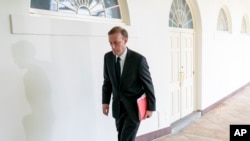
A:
(126, 66)
(114, 71)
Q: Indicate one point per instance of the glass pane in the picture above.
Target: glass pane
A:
(222, 24)
(113, 13)
(84, 11)
(110, 3)
(40, 4)
(64, 9)
(243, 26)
(96, 5)
(180, 15)
(99, 14)
(83, 7)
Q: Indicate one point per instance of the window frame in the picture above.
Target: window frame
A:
(227, 18)
(185, 16)
(56, 14)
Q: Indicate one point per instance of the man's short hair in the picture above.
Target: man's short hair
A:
(118, 29)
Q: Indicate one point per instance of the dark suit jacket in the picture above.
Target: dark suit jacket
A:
(135, 80)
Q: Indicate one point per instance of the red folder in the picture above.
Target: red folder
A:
(142, 106)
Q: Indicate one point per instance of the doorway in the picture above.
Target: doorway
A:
(181, 43)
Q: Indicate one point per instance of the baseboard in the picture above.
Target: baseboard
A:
(185, 121)
(174, 127)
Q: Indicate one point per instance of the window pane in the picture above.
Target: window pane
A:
(243, 26)
(110, 3)
(113, 13)
(99, 8)
(84, 11)
(40, 4)
(99, 14)
(180, 15)
(222, 24)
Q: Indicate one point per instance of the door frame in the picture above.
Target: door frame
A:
(189, 31)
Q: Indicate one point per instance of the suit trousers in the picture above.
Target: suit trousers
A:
(126, 127)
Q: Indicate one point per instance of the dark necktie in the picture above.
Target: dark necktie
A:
(118, 69)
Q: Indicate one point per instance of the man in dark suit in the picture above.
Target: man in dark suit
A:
(127, 77)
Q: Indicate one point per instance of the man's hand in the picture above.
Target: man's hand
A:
(149, 114)
(105, 109)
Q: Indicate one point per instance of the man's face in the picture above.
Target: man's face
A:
(117, 43)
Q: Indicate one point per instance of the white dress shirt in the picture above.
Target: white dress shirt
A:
(122, 59)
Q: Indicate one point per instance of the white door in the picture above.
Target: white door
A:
(181, 73)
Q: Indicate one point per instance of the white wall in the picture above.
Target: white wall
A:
(51, 68)
(224, 68)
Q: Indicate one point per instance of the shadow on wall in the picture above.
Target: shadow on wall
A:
(38, 124)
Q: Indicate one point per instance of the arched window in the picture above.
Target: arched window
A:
(180, 15)
(98, 8)
(244, 26)
(222, 22)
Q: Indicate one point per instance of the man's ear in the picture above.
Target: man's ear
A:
(125, 40)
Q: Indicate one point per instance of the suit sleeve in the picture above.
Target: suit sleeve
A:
(147, 84)
(106, 87)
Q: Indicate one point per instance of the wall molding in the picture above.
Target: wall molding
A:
(47, 25)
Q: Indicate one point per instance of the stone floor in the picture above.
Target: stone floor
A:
(214, 125)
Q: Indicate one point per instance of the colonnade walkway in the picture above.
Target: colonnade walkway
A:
(215, 124)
